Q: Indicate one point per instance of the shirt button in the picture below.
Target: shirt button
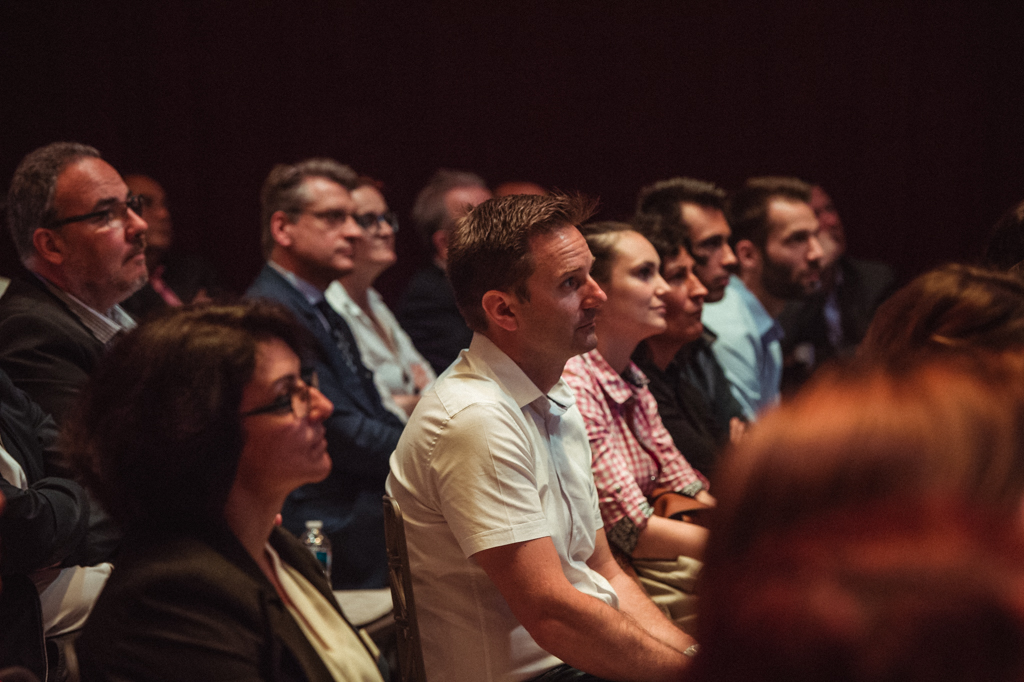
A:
(653, 478)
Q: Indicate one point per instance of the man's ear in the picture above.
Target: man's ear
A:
(440, 241)
(279, 229)
(499, 309)
(748, 255)
(48, 245)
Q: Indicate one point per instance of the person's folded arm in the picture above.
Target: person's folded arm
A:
(633, 600)
(43, 524)
(630, 643)
(667, 539)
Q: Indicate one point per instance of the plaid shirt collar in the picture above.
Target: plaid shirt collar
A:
(620, 388)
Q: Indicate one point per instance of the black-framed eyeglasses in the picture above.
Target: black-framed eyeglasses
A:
(116, 211)
(371, 222)
(297, 399)
(334, 219)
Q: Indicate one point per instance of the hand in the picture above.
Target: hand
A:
(737, 427)
(706, 497)
(419, 376)
(405, 401)
(202, 297)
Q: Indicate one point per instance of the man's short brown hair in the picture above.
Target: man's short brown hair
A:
(747, 209)
(285, 190)
(489, 248)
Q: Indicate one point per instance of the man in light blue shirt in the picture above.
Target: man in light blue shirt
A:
(774, 234)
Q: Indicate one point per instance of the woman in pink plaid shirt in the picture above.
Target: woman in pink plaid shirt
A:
(632, 452)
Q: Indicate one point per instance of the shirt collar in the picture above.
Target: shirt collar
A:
(617, 387)
(104, 326)
(514, 380)
(768, 328)
(310, 292)
(337, 295)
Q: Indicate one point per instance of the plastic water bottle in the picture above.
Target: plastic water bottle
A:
(318, 543)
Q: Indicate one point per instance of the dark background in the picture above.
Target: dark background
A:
(909, 114)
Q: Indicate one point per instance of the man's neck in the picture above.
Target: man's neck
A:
(543, 371)
(285, 261)
(663, 349)
(772, 304)
(99, 303)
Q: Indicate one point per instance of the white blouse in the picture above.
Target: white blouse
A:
(395, 362)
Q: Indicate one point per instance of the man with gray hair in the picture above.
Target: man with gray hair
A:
(427, 311)
(78, 232)
(309, 225)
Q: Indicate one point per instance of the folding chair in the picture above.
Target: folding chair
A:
(410, 652)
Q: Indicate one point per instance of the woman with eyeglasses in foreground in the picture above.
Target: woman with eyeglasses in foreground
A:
(192, 433)
(399, 370)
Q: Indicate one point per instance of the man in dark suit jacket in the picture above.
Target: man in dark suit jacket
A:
(427, 311)
(308, 226)
(833, 321)
(45, 525)
(76, 230)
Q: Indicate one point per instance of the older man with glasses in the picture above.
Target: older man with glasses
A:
(311, 228)
(79, 235)
(78, 232)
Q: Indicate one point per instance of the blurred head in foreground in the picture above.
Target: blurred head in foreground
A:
(952, 308)
(870, 530)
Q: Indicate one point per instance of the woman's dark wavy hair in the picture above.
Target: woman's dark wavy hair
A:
(157, 435)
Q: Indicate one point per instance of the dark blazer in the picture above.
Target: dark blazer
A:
(361, 435)
(429, 315)
(44, 348)
(49, 354)
(199, 608)
(864, 285)
(701, 369)
(43, 525)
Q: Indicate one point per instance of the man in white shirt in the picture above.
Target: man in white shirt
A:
(512, 573)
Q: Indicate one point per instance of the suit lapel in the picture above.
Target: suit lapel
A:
(271, 282)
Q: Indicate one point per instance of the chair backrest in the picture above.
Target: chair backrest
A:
(410, 652)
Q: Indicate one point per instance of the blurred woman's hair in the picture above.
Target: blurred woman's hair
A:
(827, 505)
(158, 434)
(1005, 248)
(858, 433)
(954, 307)
(908, 590)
